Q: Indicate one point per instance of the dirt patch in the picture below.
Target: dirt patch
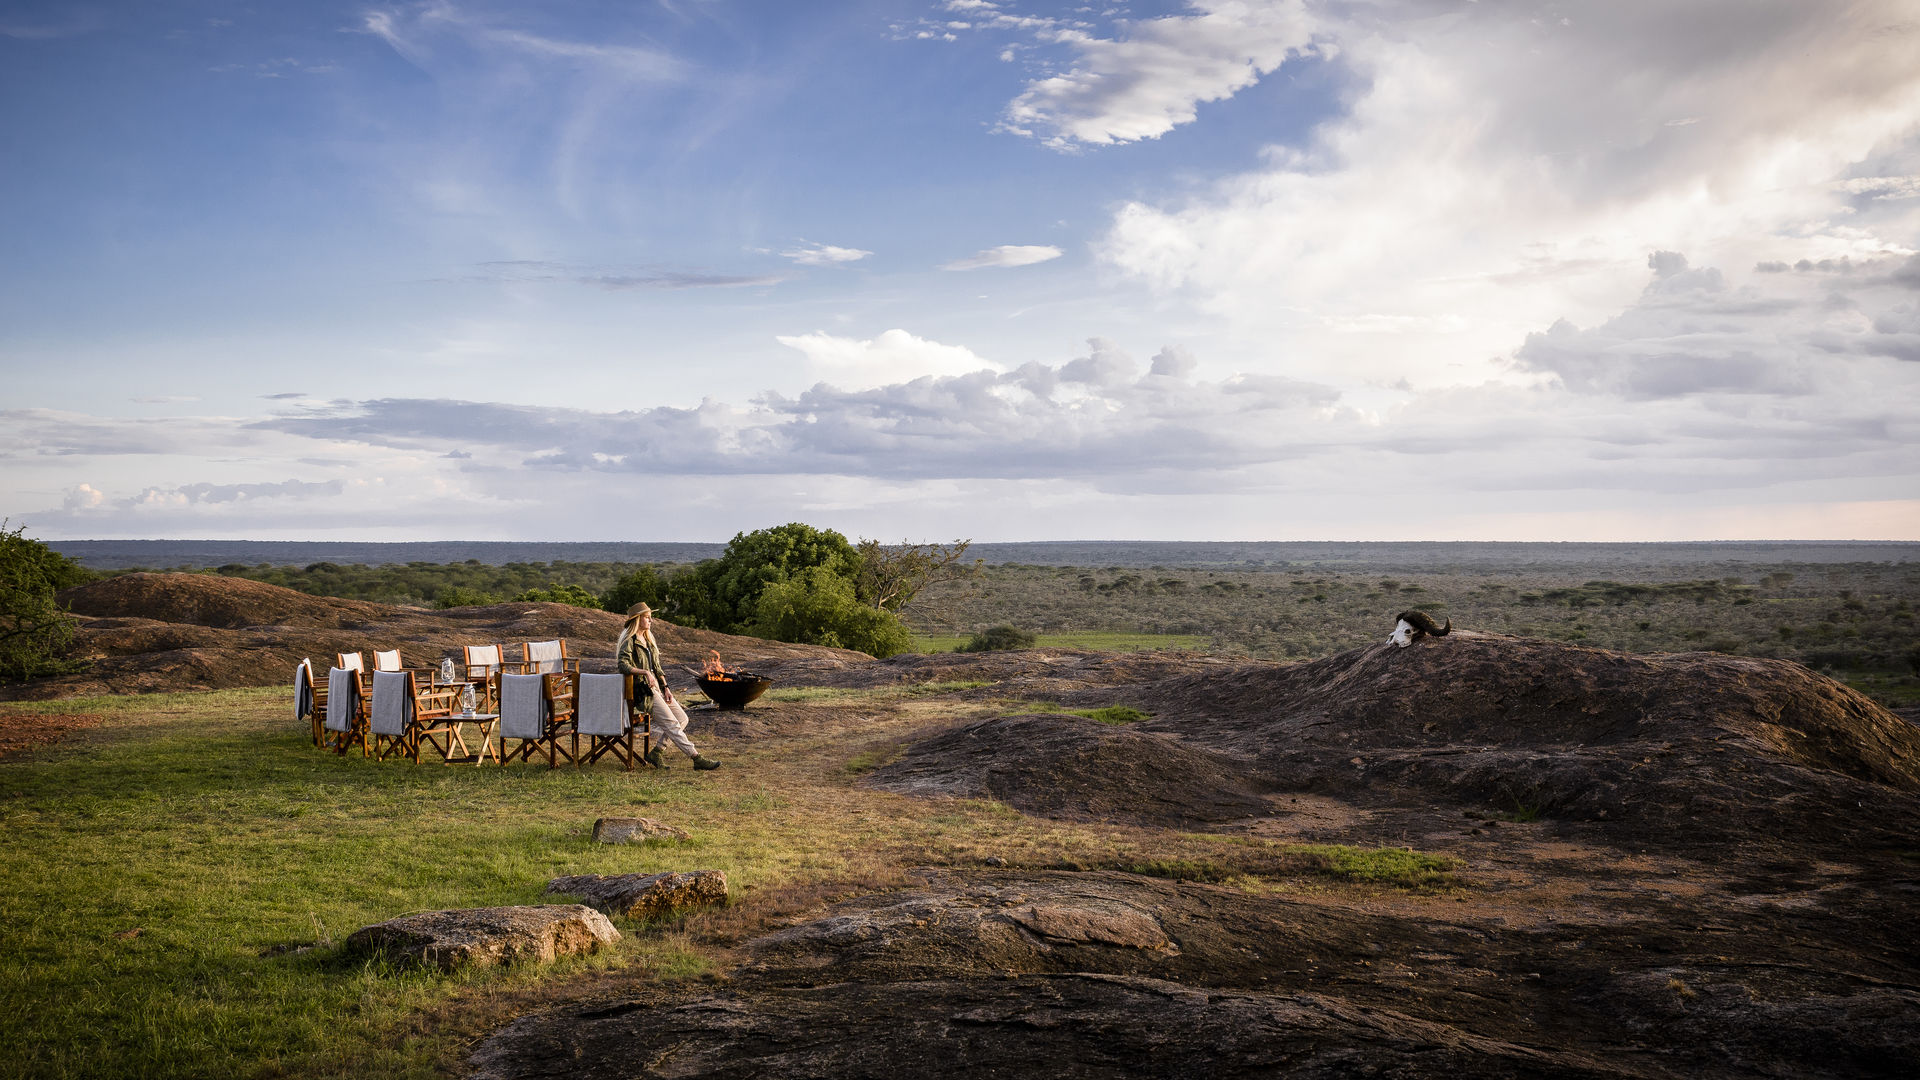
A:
(21, 733)
(147, 633)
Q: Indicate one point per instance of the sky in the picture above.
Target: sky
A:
(663, 270)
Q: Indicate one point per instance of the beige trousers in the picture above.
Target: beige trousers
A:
(670, 725)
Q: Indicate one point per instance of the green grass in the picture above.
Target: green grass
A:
(1092, 640)
(209, 825)
(162, 869)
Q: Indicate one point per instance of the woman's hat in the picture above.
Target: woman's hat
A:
(637, 610)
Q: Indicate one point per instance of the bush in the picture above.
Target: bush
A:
(35, 633)
(819, 607)
(461, 596)
(997, 637)
(560, 594)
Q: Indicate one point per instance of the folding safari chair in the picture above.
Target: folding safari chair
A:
(537, 710)
(309, 699)
(604, 719)
(388, 660)
(346, 722)
(547, 657)
(485, 664)
(404, 716)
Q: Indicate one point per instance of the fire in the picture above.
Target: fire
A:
(714, 668)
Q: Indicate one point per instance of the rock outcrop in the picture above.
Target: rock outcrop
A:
(149, 633)
(483, 937)
(645, 896)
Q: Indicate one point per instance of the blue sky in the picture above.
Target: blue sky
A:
(1425, 269)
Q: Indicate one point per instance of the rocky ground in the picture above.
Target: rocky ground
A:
(150, 633)
(1674, 866)
(1668, 866)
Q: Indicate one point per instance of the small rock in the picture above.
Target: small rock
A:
(633, 830)
(483, 937)
(645, 896)
(994, 860)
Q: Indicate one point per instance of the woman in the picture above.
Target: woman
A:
(640, 657)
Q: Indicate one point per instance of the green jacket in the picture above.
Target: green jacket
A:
(636, 660)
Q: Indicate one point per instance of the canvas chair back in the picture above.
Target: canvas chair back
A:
(303, 689)
(602, 705)
(392, 703)
(386, 661)
(523, 707)
(352, 661)
(483, 660)
(544, 656)
(343, 698)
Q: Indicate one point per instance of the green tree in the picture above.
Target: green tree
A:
(891, 575)
(819, 607)
(35, 632)
(724, 593)
(556, 593)
(646, 583)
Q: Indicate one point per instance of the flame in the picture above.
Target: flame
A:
(714, 669)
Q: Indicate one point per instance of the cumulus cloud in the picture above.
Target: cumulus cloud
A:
(1691, 333)
(1004, 256)
(1152, 78)
(1475, 189)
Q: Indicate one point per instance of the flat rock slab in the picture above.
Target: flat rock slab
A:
(645, 896)
(483, 937)
(634, 830)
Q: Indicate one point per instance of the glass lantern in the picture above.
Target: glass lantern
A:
(446, 671)
(466, 699)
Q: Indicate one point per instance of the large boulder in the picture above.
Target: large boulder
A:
(645, 896)
(483, 937)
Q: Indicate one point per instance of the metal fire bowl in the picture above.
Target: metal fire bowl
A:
(734, 693)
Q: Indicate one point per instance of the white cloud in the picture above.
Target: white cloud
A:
(811, 254)
(1477, 189)
(893, 356)
(1143, 84)
(1004, 256)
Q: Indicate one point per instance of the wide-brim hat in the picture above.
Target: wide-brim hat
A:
(637, 610)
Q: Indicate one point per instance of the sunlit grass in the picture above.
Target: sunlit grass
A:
(177, 880)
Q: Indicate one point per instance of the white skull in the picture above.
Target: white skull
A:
(1402, 634)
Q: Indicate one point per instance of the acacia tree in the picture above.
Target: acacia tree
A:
(34, 632)
(891, 575)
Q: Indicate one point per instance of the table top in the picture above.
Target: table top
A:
(475, 716)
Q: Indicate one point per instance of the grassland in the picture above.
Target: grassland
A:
(179, 877)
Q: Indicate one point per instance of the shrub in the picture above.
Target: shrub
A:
(35, 633)
(560, 594)
(819, 607)
(997, 637)
(461, 596)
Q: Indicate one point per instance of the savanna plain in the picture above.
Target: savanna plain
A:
(1634, 817)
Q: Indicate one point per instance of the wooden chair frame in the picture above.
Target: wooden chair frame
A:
(620, 746)
(485, 674)
(428, 713)
(340, 741)
(556, 702)
(316, 701)
(566, 663)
